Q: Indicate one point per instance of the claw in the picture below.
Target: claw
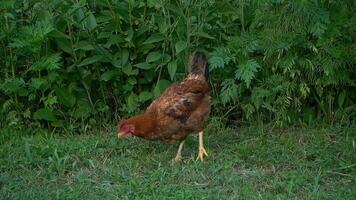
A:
(202, 153)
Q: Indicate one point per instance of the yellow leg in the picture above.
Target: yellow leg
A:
(202, 151)
(179, 153)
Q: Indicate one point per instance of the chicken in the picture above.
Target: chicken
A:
(180, 110)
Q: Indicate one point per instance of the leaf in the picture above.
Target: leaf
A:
(104, 19)
(154, 38)
(180, 46)
(90, 60)
(83, 109)
(45, 114)
(90, 22)
(318, 29)
(153, 56)
(49, 100)
(22, 92)
(58, 34)
(49, 63)
(246, 72)
(54, 76)
(149, 75)
(204, 35)
(258, 96)
(145, 96)
(13, 85)
(132, 80)
(124, 56)
(304, 90)
(160, 87)
(65, 45)
(216, 62)
(37, 83)
(129, 36)
(127, 69)
(107, 76)
(219, 58)
(79, 15)
(65, 97)
(58, 123)
(104, 35)
(7, 4)
(163, 27)
(154, 3)
(172, 68)
(341, 99)
(132, 101)
(84, 45)
(229, 91)
(144, 65)
(145, 48)
(114, 39)
(249, 110)
(31, 37)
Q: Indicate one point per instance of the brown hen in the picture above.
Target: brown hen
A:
(179, 111)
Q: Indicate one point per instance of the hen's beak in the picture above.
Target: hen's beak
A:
(120, 135)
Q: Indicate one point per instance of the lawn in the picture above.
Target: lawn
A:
(244, 163)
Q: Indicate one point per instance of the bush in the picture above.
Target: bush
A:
(70, 61)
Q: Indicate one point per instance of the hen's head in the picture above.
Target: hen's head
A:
(125, 129)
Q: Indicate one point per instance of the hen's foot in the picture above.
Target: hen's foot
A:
(202, 152)
(178, 157)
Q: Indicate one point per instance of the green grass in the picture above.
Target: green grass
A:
(244, 163)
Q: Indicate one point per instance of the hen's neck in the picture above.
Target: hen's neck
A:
(144, 124)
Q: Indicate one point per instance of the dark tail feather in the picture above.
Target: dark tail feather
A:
(199, 64)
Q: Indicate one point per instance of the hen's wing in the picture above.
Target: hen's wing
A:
(180, 100)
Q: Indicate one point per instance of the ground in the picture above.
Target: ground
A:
(244, 163)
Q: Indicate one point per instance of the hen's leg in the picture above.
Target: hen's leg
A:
(202, 151)
(179, 153)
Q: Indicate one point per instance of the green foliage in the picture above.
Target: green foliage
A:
(295, 58)
(45, 113)
(270, 60)
(219, 58)
(246, 72)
